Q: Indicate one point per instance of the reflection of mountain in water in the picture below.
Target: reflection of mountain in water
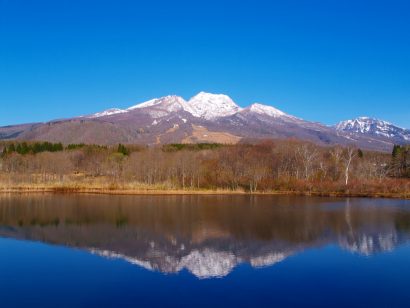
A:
(206, 235)
(202, 263)
(366, 244)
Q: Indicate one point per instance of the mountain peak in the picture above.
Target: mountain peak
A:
(372, 126)
(361, 124)
(209, 105)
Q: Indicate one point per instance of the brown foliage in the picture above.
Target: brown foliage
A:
(291, 166)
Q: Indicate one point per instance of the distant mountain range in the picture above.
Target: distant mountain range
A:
(205, 117)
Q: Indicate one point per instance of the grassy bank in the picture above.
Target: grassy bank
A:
(100, 186)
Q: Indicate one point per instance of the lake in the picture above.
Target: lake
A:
(62, 250)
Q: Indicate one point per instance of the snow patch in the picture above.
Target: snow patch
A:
(108, 112)
(149, 103)
(267, 110)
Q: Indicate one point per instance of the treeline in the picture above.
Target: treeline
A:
(267, 166)
(25, 148)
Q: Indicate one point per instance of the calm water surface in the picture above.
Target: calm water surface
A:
(191, 251)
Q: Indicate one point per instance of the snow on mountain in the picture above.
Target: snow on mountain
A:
(170, 103)
(268, 110)
(108, 112)
(371, 126)
(160, 107)
(151, 102)
(211, 106)
(203, 105)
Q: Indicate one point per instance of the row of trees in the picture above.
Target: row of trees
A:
(25, 148)
(284, 165)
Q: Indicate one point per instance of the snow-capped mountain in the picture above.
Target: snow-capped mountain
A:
(203, 105)
(374, 127)
(206, 117)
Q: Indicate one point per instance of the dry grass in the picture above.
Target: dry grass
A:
(101, 185)
(82, 183)
(201, 134)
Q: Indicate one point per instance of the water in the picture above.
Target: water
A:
(192, 251)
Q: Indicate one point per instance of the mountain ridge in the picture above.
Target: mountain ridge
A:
(206, 117)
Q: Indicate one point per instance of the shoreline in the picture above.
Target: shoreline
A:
(170, 192)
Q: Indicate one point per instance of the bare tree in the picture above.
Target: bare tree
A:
(336, 154)
(307, 155)
(349, 155)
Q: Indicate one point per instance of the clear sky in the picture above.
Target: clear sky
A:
(324, 61)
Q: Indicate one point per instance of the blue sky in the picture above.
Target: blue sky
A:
(320, 60)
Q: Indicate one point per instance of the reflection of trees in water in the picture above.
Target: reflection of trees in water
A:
(403, 222)
(204, 234)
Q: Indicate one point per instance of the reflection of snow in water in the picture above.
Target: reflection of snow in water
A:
(208, 263)
(112, 255)
(203, 264)
(211, 263)
(268, 260)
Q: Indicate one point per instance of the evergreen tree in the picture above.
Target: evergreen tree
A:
(123, 150)
(25, 149)
(56, 147)
(11, 148)
(18, 149)
(401, 161)
(36, 148)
